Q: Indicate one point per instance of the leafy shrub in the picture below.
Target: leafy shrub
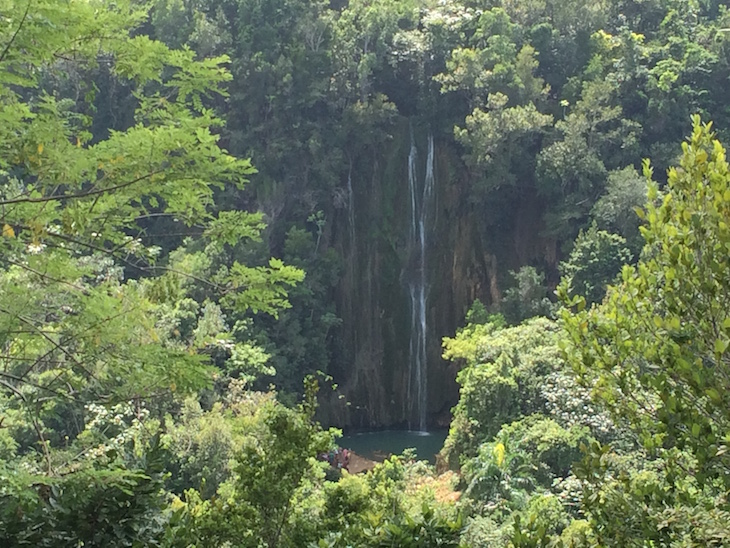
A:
(594, 263)
(528, 296)
(552, 448)
(502, 380)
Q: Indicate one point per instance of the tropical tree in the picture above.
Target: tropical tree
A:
(86, 313)
(656, 351)
(595, 262)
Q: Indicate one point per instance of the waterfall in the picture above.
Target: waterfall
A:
(420, 198)
(351, 214)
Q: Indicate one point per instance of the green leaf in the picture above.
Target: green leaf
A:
(721, 345)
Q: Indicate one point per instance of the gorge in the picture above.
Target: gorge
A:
(483, 244)
(403, 288)
(536, 113)
(421, 204)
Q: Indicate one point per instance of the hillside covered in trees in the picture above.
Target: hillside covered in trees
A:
(231, 228)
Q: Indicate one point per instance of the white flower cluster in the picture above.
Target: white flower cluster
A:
(569, 490)
(35, 248)
(449, 14)
(570, 404)
(225, 344)
(122, 416)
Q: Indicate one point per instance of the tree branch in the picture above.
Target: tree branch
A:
(64, 197)
(17, 31)
(148, 268)
(34, 421)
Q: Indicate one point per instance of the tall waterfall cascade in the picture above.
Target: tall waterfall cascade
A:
(351, 211)
(421, 198)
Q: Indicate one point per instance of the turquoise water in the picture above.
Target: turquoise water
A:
(378, 445)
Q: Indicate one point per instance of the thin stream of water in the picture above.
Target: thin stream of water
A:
(420, 199)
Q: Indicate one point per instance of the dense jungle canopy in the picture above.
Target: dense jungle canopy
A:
(232, 229)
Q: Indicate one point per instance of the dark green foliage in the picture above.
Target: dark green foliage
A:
(527, 298)
(109, 506)
(553, 448)
(594, 263)
(140, 303)
(477, 314)
(108, 493)
(615, 211)
(301, 339)
(551, 104)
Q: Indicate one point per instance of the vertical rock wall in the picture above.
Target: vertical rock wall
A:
(372, 367)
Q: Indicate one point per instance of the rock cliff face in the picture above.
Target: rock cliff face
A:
(375, 372)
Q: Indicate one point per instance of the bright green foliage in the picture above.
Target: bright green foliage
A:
(384, 509)
(544, 517)
(658, 345)
(202, 446)
(86, 327)
(594, 263)
(71, 207)
(527, 460)
(497, 71)
(655, 351)
(502, 379)
(478, 315)
(493, 133)
(254, 507)
(652, 354)
(634, 500)
(517, 432)
(499, 477)
(278, 494)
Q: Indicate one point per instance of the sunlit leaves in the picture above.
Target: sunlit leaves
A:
(654, 348)
(232, 227)
(490, 133)
(262, 289)
(75, 216)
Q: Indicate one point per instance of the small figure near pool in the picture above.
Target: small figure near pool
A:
(337, 458)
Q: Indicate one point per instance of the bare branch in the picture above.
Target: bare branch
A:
(64, 197)
(34, 421)
(17, 31)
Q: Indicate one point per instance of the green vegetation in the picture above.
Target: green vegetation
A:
(168, 310)
(608, 427)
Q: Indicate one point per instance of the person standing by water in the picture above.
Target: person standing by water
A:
(337, 458)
